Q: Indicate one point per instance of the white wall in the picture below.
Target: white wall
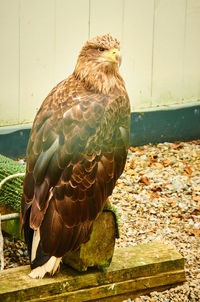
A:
(41, 39)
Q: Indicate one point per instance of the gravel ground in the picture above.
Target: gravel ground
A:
(158, 198)
(15, 253)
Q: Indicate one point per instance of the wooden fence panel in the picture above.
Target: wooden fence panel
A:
(9, 62)
(41, 39)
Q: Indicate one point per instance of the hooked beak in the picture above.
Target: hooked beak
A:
(112, 56)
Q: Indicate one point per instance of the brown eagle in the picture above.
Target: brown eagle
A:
(76, 152)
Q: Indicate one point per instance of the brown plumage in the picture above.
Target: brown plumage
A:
(76, 152)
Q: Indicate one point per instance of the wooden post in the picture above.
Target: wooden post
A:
(98, 251)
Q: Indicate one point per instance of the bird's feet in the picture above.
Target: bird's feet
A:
(51, 267)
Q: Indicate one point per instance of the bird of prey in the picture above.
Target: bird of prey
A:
(76, 152)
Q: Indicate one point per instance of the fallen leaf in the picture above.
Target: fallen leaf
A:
(126, 167)
(166, 162)
(155, 195)
(175, 219)
(173, 204)
(129, 172)
(133, 149)
(190, 217)
(156, 188)
(192, 232)
(166, 184)
(144, 180)
(150, 234)
(145, 147)
(196, 211)
(158, 165)
(188, 170)
(153, 157)
(176, 145)
(196, 198)
(132, 164)
(194, 142)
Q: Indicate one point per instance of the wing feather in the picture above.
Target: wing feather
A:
(76, 152)
(42, 162)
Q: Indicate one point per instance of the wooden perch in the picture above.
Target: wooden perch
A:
(134, 271)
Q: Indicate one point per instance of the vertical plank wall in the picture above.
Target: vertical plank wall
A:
(9, 62)
(41, 39)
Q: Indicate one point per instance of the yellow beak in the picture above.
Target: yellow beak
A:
(112, 56)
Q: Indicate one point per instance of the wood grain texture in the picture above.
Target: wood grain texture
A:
(133, 270)
(9, 62)
(160, 42)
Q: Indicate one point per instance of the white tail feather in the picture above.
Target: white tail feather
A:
(35, 243)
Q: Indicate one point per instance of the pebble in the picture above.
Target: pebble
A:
(162, 207)
(15, 252)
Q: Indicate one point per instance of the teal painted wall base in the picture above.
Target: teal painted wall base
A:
(14, 144)
(169, 125)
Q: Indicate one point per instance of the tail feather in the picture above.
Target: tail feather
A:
(35, 244)
(45, 250)
(28, 233)
(32, 238)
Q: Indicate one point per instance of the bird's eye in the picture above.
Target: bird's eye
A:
(101, 49)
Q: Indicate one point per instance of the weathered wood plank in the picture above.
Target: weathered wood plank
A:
(133, 269)
(118, 288)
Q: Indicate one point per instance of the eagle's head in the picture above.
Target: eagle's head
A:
(98, 63)
(103, 51)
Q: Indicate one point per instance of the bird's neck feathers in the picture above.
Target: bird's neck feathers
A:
(100, 79)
